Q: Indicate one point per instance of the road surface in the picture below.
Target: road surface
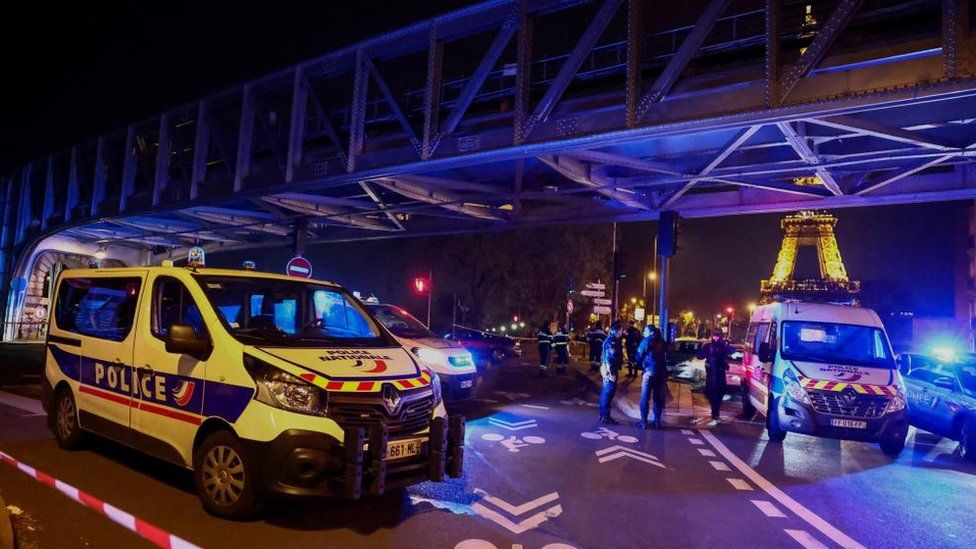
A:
(541, 472)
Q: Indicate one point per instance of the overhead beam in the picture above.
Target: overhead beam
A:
(245, 138)
(802, 149)
(393, 104)
(679, 61)
(572, 64)
(296, 125)
(622, 161)
(889, 178)
(586, 175)
(772, 51)
(815, 52)
(238, 219)
(883, 131)
(442, 198)
(741, 137)
(776, 186)
(635, 58)
(326, 123)
(357, 118)
(128, 169)
(432, 94)
(523, 74)
(308, 204)
(201, 148)
(380, 204)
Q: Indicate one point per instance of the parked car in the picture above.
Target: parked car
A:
(693, 371)
(487, 348)
(942, 398)
(683, 349)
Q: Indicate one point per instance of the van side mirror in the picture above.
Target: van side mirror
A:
(184, 340)
(904, 364)
(764, 352)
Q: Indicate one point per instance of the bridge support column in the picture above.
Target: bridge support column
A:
(667, 246)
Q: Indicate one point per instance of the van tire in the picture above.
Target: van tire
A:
(773, 430)
(893, 446)
(226, 478)
(64, 421)
(967, 440)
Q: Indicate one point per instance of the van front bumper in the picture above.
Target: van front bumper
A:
(310, 464)
(798, 417)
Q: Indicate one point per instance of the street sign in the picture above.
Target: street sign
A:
(602, 301)
(639, 313)
(595, 286)
(601, 310)
(592, 293)
(299, 266)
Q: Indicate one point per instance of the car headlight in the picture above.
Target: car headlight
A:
(794, 389)
(278, 388)
(897, 403)
(431, 357)
(461, 360)
(435, 386)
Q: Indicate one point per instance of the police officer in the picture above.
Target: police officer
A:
(716, 355)
(652, 358)
(595, 337)
(633, 338)
(544, 338)
(560, 343)
(611, 359)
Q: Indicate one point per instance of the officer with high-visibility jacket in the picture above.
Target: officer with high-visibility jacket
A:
(544, 338)
(560, 343)
(595, 338)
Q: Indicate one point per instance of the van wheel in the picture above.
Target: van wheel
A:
(773, 430)
(65, 425)
(225, 478)
(967, 440)
(893, 446)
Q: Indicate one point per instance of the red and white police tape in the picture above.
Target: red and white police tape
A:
(151, 533)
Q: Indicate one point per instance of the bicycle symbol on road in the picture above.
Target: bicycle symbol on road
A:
(513, 443)
(603, 432)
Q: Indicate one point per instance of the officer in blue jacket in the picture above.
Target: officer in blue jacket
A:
(611, 361)
(544, 337)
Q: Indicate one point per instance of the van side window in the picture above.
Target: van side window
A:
(762, 331)
(172, 304)
(98, 307)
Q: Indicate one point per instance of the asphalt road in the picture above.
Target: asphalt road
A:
(540, 473)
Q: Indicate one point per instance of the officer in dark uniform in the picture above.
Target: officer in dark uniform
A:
(611, 359)
(651, 357)
(633, 338)
(560, 343)
(595, 338)
(716, 355)
(545, 347)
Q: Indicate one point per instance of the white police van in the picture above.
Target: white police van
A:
(261, 384)
(451, 362)
(824, 370)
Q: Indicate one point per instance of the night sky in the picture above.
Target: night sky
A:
(74, 71)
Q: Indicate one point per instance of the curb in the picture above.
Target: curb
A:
(6, 528)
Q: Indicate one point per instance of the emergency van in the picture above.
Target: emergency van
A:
(824, 370)
(261, 384)
(453, 363)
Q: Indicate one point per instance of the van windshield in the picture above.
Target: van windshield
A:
(400, 322)
(836, 343)
(267, 311)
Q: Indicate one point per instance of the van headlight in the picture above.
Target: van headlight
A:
(278, 388)
(430, 357)
(897, 403)
(794, 389)
(435, 386)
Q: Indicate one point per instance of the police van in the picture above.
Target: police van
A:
(261, 384)
(451, 362)
(824, 370)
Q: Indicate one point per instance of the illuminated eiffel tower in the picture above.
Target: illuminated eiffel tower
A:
(808, 228)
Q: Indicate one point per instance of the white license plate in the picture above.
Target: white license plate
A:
(467, 384)
(849, 423)
(400, 449)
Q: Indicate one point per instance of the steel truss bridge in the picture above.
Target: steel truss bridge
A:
(522, 112)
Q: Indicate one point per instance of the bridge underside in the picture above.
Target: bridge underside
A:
(462, 124)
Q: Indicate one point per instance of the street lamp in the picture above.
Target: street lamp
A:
(751, 307)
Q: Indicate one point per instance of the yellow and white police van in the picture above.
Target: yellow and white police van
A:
(451, 362)
(261, 384)
(824, 370)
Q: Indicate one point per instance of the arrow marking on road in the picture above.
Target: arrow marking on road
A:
(516, 426)
(516, 511)
(615, 452)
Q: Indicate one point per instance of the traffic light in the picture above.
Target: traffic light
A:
(667, 234)
(420, 284)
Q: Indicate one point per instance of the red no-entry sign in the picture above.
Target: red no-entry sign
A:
(299, 266)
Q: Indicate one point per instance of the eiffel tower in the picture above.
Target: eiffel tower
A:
(807, 228)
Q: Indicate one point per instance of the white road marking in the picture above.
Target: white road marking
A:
(33, 406)
(687, 432)
(739, 484)
(696, 441)
(768, 508)
(809, 516)
(719, 465)
(524, 525)
(614, 452)
(706, 452)
(536, 406)
(805, 539)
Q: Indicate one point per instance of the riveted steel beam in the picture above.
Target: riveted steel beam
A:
(897, 175)
(950, 37)
(128, 169)
(817, 49)
(201, 148)
(296, 125)
(432, 95)
(245, 138)
(523, 73)
(357, 120)
(394, 105)
(803, 149)
(883, 131)
(635, 57)
(772, 50)
(163, 154)
(326, 123)
(572, 64)
(679, 61)
(741, 137)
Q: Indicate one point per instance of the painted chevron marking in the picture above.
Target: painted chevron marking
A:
(516, 511)
(616, 452)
